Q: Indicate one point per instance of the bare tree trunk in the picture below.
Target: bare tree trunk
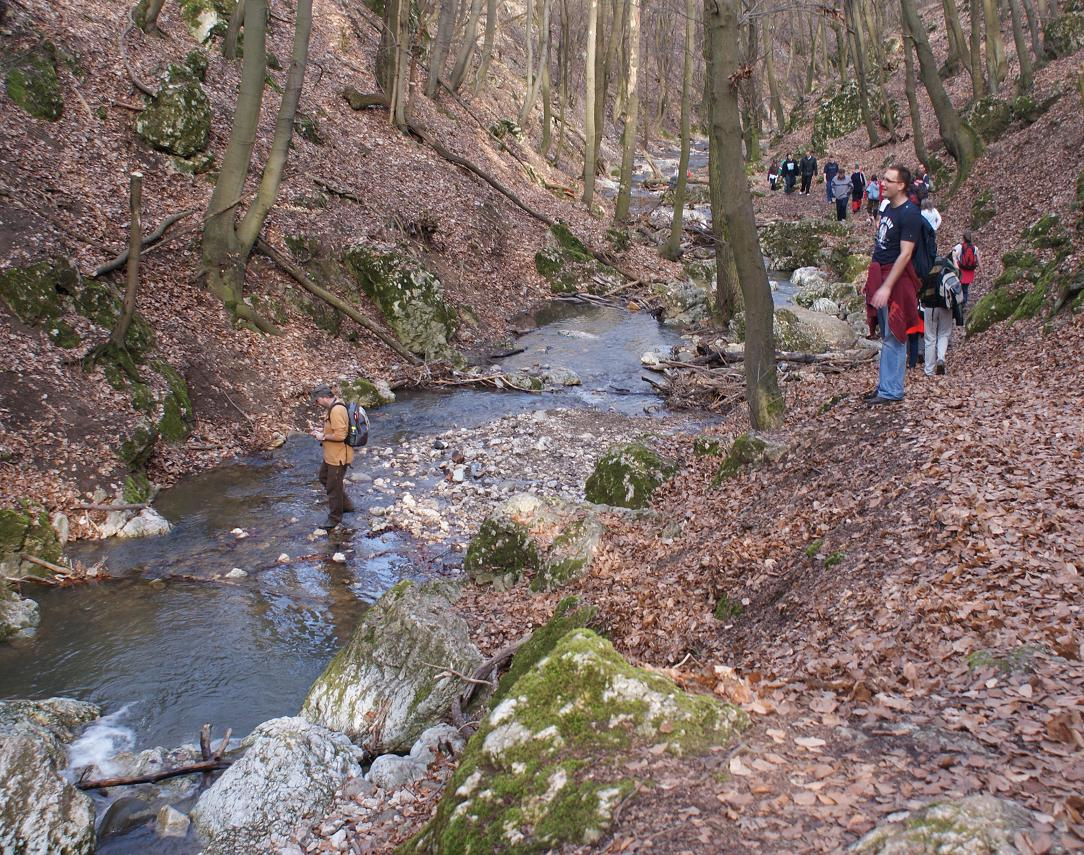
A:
(672, 249)
(466, 50)
(978, 76)
(528, 96)
(443, 41)
(1027, 79)
(961, 141)
(1034, 30)
(145, 15)
(562, 83)
(135, 244)
(766, 406)
(233, 30)
(775, 100)
(547, 103)
(589, 144)
(842, 58)
(632, 108)
(811, 69)
(534, 76)
(912, 97)
(854, 22)
(487, 45)
(997, 66)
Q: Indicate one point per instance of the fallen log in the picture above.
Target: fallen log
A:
(150, 239)
(484, 674)
(48, 565)
(154, 777)
(305, 282)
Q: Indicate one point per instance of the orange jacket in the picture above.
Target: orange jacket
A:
(336, 451)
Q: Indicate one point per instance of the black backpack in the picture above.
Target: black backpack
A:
(357, 424)
(939, 285)
(925, 250)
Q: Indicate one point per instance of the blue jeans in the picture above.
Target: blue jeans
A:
(893, 361)
(828, 186)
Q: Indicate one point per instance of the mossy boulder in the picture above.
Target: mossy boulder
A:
(137, 488)
(410, 298)
(970, 826)
(101, 304)
(995, 305)
(388, 684)
(547, 766)
(18, 615)
(1046, 233)
(178, 119)
(137, 445)
(788, 245)
(836, 116)
(206, 19)
(802, 330)
(747, 451)
(27, 531)
(368, 393)
(178, 418)
(31, 83)
(990, 117)
(983, 209)
(569, 266)
(501, 553)
(626, 476)
(1064, 35)
(37, 294)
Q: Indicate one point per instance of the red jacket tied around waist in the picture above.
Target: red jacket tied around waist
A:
(902, 302)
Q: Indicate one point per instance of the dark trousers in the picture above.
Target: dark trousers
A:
(913, 340)
(331, 477)
(806, 181)
(841, 208)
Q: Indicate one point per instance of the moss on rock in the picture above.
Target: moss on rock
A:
(545, 767)
(308, 129)
(410, 298)
(1046, 233)
(788, 245)
(367, 393)
(570, 552)
(100, 304)
(990, 117)
(31, 83)
(138, 445)
(568, 264)
(970, 826)
(36, 294)
(707, 446)
(206, 19)
(836, 116)
(746, 451)
(995, 305)
(178, 418)
(1064, 35)
(501, 552)
(983, 209)
(137, 487)
(178, 119)
(626, 476)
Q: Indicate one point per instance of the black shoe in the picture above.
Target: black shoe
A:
(329, 524)
(878, 400)
(870, 395)
(349, 510)
(940, 367)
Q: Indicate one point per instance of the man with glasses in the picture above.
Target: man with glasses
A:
(891, 284)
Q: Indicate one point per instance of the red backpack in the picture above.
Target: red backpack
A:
(968, 259)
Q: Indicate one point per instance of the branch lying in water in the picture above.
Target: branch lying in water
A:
(205, 766)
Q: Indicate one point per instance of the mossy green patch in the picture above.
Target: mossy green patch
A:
(178, 418)
(788, 245)
(14, 524)
(41, 542)
(747, 450)
(1064, 35)
(727, 609)
(983, 209)
(137, 487)
(626, 476)
(308, 128)
(707, 446)
(545, 767)
(206, 19)
(833, 559)
(814, 549)
(1046, 233)
(990, 117)
(36, 294)
(32, 83)
(618, 239)
(502, 550)
(366, 393)
(177, 119)
(569, 554)
(996, 305)
(410, 298)
(569, 266)
(138, 445)
(1011, 661)
(836, 116)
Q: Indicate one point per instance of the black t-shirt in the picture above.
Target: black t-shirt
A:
(897, 224)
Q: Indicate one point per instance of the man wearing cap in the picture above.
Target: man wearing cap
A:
(337, 454)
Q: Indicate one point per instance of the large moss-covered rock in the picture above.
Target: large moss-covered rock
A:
(31, 82)
(802, 330)
(568, 265)
(178, 119)
(1046, 232)
(387, 685)
(18, 615)
(370, 394)
(37, 293)
(976, 825)
(788, 245)
(101, 304)
(286, 781)
(501, 553)
(206, 18)
(626, 476)
(546, 767)
(178, 418)
(410, 298)
(1064, 35)
(983, 209)
(836, 116)
(26, 531)
(137, 445)
(990, 117)
(995, 305)
(747, 451)
(41, 813)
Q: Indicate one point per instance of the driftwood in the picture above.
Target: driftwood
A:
(485, 674)
(496, 381)
(305, 282)
(504, 354)
(154, 777)
(48, 565)
(132, 506)
(152, 238)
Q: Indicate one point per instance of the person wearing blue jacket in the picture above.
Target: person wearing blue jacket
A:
(830, 170)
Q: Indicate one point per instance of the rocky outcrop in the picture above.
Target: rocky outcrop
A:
(976, 825)
(394, 771)
(26, 531)
(552, 539)
(1064, 35)
(546, 767)
(178, 119)
(41, 813)
(387, 685)
(32, 83)
(286, 780)
(569, 266)
(788, 245)
(18, 615)
(747, 451)
(837, 116)
(803, 330)
(626, 476)
(147, 523)
(368, 393)
(410, 298)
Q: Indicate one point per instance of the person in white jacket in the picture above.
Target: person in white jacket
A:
(932, 215)
(938, 315)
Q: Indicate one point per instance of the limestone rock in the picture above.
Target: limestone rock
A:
(825, 306)
(27, 531)
(206, 18)
(748, 450)
(990, 117)
(1064, 35)
(441, 737)
(569, 266)
(385, 687)
(18, 615)
(178, 119)
(32, 83)
(147, 523)
(41, 813)
(36, 293)
(545, 768)
(788, 245)
(804, 331)
(170, 822)
(806, 277)
(836, 116)
(368, 393)
(976, 825)
(393, 772)
(286, 780)
(626, 476)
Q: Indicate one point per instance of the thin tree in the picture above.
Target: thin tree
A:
(233, 31)
(775, 100)
(958, 50)
(854, 25)
(487, 46)
(632, 108)
(978, 76)
(912, 97)
(1027, 79)
(227, 243)
(135, 243)
(589, 139)
(466, 49)
(765, 401)
(997, 64)
(672, 249)
(960, 139)
(441, 44)
(145, 15)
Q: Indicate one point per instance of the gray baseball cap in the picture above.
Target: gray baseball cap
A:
(322, 391)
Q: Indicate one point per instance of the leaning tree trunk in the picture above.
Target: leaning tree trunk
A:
(765, 401)
(632, 108)
(145, 15)
(562, 84)
(439, 52)
(672, 249)
(1027, 79)
(978, 76)
(547, 107)
(912, 97)
(487, 46)
(1034, 30)
(959, 41)
(466, 50)
(135, 244)
(854, 23)
(960, 139)
(589, 150)
(997, 65)
(233, 31)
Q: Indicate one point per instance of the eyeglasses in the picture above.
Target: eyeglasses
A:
(891, 181)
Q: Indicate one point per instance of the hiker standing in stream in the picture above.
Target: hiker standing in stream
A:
(891, 284)
(965, 255)
(337, 454)
(808, 166)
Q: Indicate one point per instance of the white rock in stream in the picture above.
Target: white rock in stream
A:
(236, 573)
(148, 523)
(286, 781)
(170, 822)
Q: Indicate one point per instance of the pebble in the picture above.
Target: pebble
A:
(239, 533)
(339, 558)
(236, 573)
(283, 558)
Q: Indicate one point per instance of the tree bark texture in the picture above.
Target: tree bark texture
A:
(978, 75)
(997, 66)
(487, 45)
(854, 24)
(958, 42)
(1027, 78)
(135, 243)
(912, 97)
(632, 108)
(589, 153)
(672, 249)
(233, 31)
(441, 45)
(466, 50)
(766, 406)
